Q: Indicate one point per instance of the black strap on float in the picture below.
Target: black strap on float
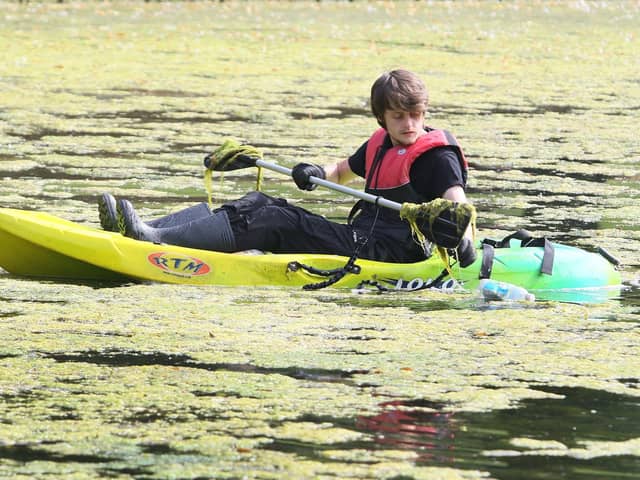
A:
(526, 240)
(610, 258)
(523, 235)
(488, 252)
(547, 256)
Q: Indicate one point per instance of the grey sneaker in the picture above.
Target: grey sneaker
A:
(130, 224)
(107, 212)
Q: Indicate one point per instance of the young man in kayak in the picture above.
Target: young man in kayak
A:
(403, 161)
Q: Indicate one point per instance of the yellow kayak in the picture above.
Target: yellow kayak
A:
(38, 244)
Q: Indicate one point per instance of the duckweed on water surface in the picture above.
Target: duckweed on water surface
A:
(160, 381)
(178, 385)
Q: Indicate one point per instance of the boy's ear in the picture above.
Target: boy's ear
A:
(381, 122)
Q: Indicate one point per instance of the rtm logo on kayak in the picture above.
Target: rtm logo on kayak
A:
(179, 265)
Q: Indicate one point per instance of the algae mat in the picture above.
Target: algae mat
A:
(158, 381)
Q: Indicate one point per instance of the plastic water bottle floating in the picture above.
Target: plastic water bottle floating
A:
(494, 290)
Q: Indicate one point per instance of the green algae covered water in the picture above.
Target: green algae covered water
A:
(167, 382)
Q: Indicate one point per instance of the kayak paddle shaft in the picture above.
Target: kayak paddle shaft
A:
(367, 197)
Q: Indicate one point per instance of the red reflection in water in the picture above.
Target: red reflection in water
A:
(430, 434)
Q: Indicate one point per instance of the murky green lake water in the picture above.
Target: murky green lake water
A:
(163, 382)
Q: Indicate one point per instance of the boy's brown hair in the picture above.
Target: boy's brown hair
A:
(398, 90)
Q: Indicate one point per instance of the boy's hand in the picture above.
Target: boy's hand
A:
(301, 173)
(466, 252)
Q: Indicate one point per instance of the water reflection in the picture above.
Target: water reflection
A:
(580, 295)
(129, 358)
(526, 442)
(431, 434)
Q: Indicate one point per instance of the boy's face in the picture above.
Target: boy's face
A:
(403, 127)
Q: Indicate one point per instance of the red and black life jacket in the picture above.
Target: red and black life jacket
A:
(387, 169)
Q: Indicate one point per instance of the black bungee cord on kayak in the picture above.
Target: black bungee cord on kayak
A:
(336, 274)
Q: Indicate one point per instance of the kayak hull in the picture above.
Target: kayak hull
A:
(37, 244)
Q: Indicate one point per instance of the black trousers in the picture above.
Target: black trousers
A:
(263, 222)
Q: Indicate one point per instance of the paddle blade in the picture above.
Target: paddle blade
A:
(232, 156)
(449, 226)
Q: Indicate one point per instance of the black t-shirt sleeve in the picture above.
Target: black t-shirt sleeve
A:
(357, 160)
(435, 171)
